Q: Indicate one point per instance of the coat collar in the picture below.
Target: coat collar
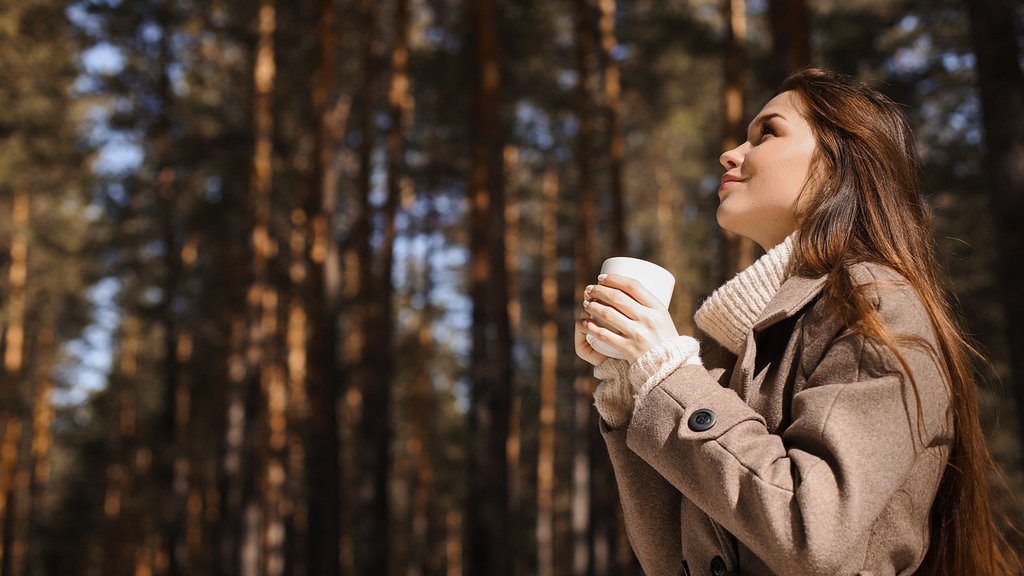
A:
(793, 295)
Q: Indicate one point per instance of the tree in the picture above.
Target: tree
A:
(1001, 90)
(322, 302)
(488, 515)
(791, 38)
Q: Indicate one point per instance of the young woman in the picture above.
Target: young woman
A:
(827, 423)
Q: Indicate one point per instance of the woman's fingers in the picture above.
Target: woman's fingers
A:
(583, 348)
(608, 316)
(631, 287)
(610, 337)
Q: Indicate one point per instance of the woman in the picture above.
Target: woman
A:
(828, 422)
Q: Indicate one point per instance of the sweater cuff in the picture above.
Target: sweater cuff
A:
(613, 397)
(650, 369)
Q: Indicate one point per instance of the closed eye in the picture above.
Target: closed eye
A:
(766, 129)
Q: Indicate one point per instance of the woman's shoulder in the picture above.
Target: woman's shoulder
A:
(896, 299)
(895, 302)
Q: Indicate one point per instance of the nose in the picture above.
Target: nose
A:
(733, 158)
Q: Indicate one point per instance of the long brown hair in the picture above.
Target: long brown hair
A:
(864, 204)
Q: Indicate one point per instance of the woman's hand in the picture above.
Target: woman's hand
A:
(622, 313)
(583, 348)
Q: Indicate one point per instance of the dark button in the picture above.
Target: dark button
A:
(717, 564)
(686, 569)
(701, 420)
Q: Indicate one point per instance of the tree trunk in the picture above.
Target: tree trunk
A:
(738, 252)
(604, 499)
(548, 379)
(324, 284)
(1001, 87)
(41, 441)
(791, 37)
(617, 147)
(514, 444)
(121, 534)
(423, 555)
(585, 273)
(487, 530)
(373, 543)
(263, 377)
(11, 415)
(172, 465)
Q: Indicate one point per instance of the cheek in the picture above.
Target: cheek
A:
(788, 178)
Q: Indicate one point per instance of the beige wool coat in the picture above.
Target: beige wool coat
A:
(805, 455)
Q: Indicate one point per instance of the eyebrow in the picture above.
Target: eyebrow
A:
(759, 121)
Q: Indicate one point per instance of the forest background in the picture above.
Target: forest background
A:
(288, 287)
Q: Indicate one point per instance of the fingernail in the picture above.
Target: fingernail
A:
(589, 288)
(602, 277)
(586, 303)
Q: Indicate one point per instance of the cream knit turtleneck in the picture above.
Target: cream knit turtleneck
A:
(727, 316)
(731, 310)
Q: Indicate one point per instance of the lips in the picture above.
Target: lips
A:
(726, 178)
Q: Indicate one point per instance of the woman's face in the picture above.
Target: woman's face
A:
(765, 175)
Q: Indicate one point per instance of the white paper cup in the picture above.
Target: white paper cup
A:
(658, 280)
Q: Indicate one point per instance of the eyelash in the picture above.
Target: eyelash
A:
(766, 130)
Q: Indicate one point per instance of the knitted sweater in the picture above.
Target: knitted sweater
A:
(727, 316)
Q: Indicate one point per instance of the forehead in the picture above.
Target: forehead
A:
(786, 105)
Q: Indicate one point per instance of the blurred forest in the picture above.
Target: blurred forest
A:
(288, 287)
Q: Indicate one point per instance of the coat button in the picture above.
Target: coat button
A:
(686, 569)
(717, 566)
(701, 420)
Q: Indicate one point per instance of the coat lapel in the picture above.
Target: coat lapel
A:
(793, 295)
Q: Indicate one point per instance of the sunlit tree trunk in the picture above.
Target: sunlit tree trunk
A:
(263, 377)
(1001, 87)
(548, 379)
(738, 252)
(585, 218)
(514, 443)
(487, 524)
(39, 454)
(604, 496)
(121, 537)
(616, 140)
(11, 417)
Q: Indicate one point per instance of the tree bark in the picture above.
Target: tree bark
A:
(616, 142)
(39, 454)
(375, 430)
(1001, 87)
(487, 530)
(322, 302)
(585, 222)
(11, 416)
(548, 379)
(424, 557)
(121, 534)
(172, 465)
(791, 37)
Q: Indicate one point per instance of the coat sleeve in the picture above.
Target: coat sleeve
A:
(801, 499)
(650, 507)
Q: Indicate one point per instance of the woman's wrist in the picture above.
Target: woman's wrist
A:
(656, 364)
(613, 397)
